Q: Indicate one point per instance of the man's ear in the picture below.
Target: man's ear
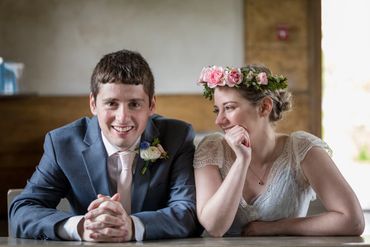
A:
(92, 104)
(153, 105)
(266, 106)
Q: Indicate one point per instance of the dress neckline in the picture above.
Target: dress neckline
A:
(270, 177)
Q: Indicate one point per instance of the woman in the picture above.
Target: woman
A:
(254, 181)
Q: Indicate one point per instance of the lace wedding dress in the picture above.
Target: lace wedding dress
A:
(287, 194)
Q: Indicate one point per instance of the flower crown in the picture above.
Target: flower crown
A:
(216, 76)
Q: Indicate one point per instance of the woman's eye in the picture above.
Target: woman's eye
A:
(229, 108)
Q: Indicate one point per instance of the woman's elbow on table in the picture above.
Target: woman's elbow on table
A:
(354, 224)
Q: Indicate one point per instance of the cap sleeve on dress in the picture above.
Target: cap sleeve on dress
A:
(304, 141)
(210, 151)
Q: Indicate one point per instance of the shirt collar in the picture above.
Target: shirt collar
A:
(112, 149)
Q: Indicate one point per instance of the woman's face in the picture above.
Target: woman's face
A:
(232, 109)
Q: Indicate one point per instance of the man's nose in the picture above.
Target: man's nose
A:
(123, 113)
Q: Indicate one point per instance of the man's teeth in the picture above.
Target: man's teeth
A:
(123, 128)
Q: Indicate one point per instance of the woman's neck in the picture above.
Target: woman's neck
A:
(264, 150)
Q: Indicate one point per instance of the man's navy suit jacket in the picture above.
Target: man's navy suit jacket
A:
(74, 166)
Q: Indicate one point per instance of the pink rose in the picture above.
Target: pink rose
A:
(214, 77)
(202, 78)
(160, 148)
(262, 78)
(233, 77)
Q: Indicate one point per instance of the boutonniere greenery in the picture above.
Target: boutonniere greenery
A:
(150, 152)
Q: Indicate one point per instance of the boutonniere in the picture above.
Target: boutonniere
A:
(150, 152)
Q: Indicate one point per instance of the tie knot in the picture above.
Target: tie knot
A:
(126, 159)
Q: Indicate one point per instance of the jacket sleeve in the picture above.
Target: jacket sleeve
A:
(177, 218)
(33, 213)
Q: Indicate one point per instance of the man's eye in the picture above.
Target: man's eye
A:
(215, 111)
(110, 103)
(134, 105)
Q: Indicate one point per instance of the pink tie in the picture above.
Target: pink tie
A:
(125, 179)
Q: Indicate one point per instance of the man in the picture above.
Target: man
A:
(83, 162)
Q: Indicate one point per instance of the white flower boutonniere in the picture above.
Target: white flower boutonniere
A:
(151, 152)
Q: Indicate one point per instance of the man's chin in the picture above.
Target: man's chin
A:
(126, 144)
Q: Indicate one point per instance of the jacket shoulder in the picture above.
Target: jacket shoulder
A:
(161, 120)
(74, 129)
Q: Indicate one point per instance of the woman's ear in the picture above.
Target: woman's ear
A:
(266, 106)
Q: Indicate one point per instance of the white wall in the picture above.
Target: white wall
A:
(60, 41)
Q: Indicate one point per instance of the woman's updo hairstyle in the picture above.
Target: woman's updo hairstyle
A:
(281, 98)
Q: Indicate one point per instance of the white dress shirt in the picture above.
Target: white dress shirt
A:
(67, 229)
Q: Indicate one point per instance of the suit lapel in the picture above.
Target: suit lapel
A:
(142, 181)
(95, 158)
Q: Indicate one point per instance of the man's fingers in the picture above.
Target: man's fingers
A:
(111, 235)
(107, 207)
(103, 221)
(96, 203)
(106, 202)
(116, 197)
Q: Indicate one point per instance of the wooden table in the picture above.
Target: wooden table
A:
(211, 242)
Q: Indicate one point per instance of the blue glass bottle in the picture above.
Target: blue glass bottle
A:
(9, 81)
(1, 75)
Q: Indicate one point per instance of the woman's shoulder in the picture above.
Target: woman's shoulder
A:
(212, 137)
(210, 150)
(210, 142)
(301, 134)
(303, 141)
(305, 137)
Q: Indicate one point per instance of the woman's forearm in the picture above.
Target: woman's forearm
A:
(328, 223)
(219, 212)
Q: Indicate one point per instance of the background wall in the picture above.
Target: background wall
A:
(286, 36)
(60, 41)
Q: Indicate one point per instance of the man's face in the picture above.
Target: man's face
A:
(122, 111)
